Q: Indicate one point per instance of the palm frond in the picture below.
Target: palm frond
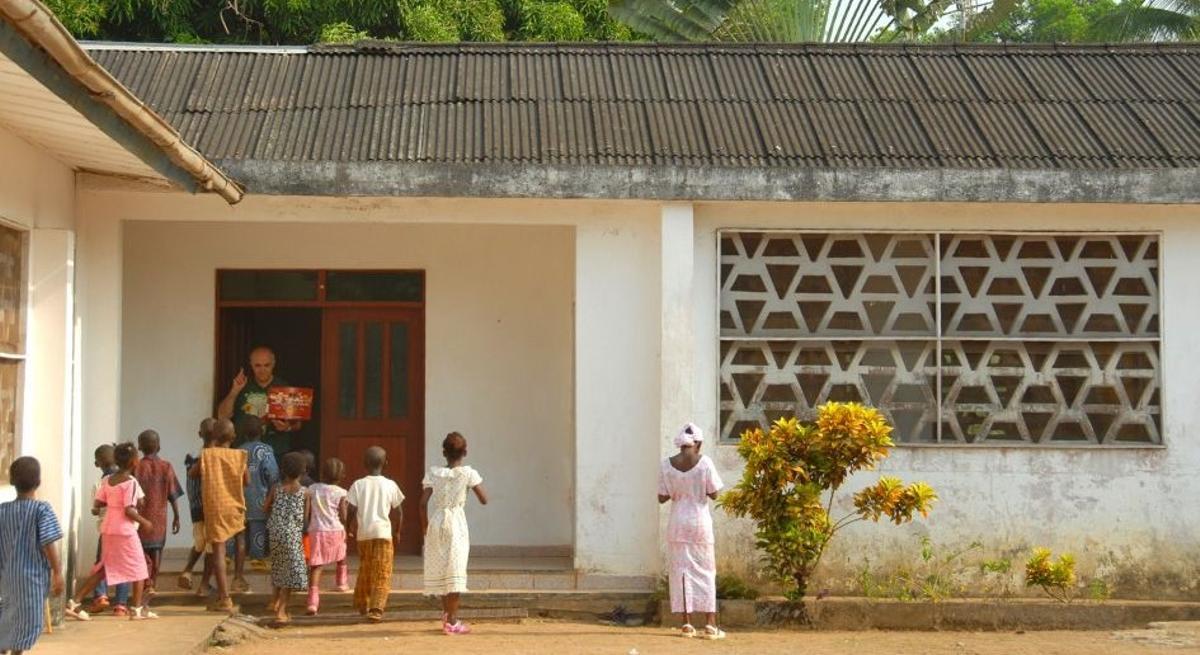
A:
(673, 20)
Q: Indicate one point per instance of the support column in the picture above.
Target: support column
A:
(46, 431)
(616, 396)
(633, 382)
(98, 344)
(677, 258)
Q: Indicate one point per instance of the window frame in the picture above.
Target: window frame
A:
(939, 338)
(19, 357)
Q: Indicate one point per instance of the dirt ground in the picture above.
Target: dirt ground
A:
(564, 638)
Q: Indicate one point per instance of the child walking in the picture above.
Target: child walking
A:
(286, 506)
(447, 541)
(327, 530)
(200, 546)
(100, 602)
(121, 556)
(264, 475)
(689, 479)
(222, 474)
(374, 518)
(28, 559)
(157, 479)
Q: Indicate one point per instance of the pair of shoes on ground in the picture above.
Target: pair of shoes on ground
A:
(709, 632)
(75, 610)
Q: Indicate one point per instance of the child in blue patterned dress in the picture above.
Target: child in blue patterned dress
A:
(28, 559)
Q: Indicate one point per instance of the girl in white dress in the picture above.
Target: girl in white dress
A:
(688, 480)
(447, 542)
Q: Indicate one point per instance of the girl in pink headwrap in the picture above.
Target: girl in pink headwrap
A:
(689, 479)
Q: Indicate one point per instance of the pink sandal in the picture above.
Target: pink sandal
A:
(456, 628)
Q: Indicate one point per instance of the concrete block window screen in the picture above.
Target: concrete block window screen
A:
(1002, 339)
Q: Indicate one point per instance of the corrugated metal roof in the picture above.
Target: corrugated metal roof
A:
(1077, 107)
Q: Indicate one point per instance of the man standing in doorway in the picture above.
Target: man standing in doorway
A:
(249, 396)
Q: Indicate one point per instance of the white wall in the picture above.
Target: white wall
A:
(1128, 514)
(37, 195)
(36, 190)
(498, 344)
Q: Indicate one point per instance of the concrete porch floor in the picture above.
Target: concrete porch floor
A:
(512, 574)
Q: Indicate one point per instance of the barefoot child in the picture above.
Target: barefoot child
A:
(157, 479)
(689, 479)
(29, 557)
(264, 475)
(200, 545)
(121, 556)
(374, 518)
(222, 474)
(447, 542)
(286, 506)
(104, 462)
(327, 530)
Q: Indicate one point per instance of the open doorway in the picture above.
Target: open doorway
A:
(294, 333)
(357, 338)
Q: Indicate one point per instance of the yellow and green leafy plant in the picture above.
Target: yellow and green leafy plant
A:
(792, 477)
(1056, 578)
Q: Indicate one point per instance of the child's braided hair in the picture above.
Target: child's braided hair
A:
(124, 454)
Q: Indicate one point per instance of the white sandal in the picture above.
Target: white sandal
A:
(712, 632)
(141, 614)
(687, 631)
(75, 610)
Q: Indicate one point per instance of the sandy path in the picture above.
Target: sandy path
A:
(563, 638)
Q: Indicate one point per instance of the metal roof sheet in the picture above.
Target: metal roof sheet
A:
(1100, 107)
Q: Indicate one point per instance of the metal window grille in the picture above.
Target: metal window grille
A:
(1001, 339)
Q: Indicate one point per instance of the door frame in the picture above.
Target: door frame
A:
(220, 385)
(322, 303)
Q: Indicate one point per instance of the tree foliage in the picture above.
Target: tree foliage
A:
(338, 21)
(802, 20)
(792, 477)
(1095, 21)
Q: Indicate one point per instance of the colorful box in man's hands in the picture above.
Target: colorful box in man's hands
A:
(289, 403)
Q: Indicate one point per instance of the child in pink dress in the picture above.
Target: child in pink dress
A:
(689, 479)
(121, 556)
(327, 530)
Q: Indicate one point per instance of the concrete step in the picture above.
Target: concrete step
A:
(546, 604)
(498, 615)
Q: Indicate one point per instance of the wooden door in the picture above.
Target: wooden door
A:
(373, 375)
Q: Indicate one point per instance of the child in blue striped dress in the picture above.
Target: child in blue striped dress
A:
(28, 559)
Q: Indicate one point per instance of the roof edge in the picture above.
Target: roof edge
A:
(695, 183)
(41, 28)
(378, 46)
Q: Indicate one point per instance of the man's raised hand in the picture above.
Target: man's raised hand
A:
(239, 381)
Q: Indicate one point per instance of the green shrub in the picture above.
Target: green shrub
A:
(731, 587)
(1056, 578)
(792, 475)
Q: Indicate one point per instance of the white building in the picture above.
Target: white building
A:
(582, 247)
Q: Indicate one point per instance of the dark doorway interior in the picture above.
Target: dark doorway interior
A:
(295, 336)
